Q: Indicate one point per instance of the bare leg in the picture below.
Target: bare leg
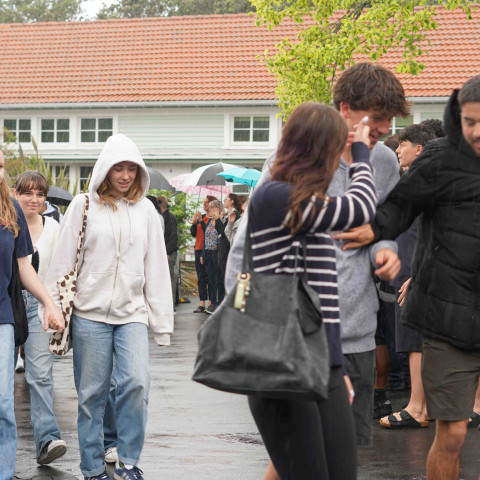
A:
(271, 473)
(416, 406)
(476, 406)
(381, 357)
(443, 461)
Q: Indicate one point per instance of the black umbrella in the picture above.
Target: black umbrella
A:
(59, 196)
(158, 181)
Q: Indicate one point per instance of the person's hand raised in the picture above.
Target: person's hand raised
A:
(362, 132)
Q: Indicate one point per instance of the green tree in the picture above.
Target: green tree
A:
(154, 8)
(307, 64)
(183, 210)
(134, 9)
(25, 11)
(209, 7)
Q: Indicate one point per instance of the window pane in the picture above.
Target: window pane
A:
(63, 137)
(24, 124)
(85, 171)
(241, 122)
(241, 136)
(48, 125)
(10, 125)
(401, 122)
(87, 137)
(63, 124)
(102, 136)
(105, 123)
(88, 124)
(261, 122)
(24, 137)
(47, 137)
(260, 135)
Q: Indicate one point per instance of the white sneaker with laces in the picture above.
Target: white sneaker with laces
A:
(20, 367)
(111, 455)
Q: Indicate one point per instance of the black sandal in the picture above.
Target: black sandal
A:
(406, 421)
(474, 420)
(199, 309)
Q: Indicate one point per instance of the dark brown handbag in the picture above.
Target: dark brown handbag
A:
(275, 346)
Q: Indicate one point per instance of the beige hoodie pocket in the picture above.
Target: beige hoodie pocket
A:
(128, 295)
(95, 292)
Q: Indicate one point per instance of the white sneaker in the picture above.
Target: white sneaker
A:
(20, 367)
(111, 455)
(51, 451)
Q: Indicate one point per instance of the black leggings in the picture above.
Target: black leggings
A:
(309, 440)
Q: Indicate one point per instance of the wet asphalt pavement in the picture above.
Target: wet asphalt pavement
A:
(195, 433)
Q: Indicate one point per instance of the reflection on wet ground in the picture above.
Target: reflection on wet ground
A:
(195, 433)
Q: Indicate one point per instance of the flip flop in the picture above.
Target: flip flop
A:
(406, 421)
(474, 420)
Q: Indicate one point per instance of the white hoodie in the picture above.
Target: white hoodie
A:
(123, 274)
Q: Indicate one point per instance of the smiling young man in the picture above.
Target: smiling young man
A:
(362, 90)
(443, 297)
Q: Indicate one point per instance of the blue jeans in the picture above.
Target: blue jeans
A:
(109, 429)
(39, 375)
(94, 346)
(8, 427)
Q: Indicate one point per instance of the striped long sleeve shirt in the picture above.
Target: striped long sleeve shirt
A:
(274, 249)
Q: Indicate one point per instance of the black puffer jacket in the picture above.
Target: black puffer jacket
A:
(443, 185)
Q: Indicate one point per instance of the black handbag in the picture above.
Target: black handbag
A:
(18, 305)
(274, 346)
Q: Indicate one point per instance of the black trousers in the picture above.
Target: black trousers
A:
(216, 287)
(309, 440)
(201, 276)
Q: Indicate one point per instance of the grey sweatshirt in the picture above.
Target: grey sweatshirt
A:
(358, 297)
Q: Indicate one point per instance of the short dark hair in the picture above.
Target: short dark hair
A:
(371, 87)
(435, 125)
(162, 201)
(392, 142)
(470, 92)
(416, 134)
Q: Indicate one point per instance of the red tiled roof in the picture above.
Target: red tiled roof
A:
(187, 59)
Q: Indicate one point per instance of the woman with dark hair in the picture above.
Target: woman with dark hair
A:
(233, 211)
(31, 190)
(313, 440)
(15, 242)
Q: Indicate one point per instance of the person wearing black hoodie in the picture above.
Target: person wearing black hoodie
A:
(443, 298)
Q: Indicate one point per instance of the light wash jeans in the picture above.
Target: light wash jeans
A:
(94, 346)
(109, 428)
(8, 427)
(39, 375)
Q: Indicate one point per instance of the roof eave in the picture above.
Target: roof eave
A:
(171, 104)
(418, 100)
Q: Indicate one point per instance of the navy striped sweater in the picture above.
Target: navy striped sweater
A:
(274, 249)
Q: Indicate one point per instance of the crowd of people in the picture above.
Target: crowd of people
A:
(391, 241)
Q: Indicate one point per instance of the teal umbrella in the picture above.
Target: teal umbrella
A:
(247, 176)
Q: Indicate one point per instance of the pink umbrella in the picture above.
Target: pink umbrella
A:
(180, 183)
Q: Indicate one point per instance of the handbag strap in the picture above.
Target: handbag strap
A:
(83, 227)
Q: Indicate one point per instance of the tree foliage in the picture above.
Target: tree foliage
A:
(155, 8)
(306, 66)
(25, 11)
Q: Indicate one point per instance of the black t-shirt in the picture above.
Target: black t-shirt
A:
(24, 246)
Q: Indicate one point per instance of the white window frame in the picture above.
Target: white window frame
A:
(55, 131)
(80, 178)
(250, 143)
(97, 130)
(395, 129)
(17, 127)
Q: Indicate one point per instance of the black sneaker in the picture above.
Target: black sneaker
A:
(102, 476)
(382, 409)
(51, 451)
(210, 309)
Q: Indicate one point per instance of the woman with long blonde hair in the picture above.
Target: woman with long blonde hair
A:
(15, 241)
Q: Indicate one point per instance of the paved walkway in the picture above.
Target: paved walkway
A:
(195, 433)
